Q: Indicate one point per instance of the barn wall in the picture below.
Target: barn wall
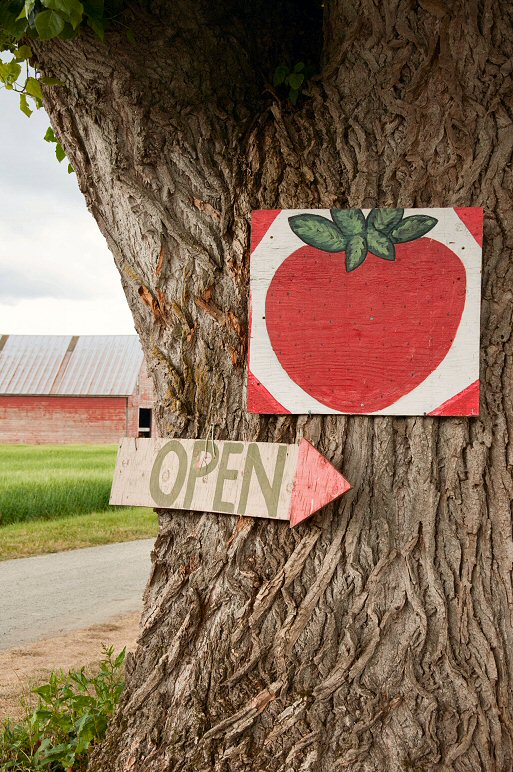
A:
(142, 397)
(46, 419)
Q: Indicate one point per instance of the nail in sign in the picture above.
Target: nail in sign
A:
(257, 479)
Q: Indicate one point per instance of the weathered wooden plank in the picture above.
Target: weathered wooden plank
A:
(365, 311)
(257, 479)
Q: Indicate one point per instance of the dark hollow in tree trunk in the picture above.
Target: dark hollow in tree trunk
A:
(379, 635)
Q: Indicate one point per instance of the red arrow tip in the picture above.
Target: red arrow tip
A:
(317, 482)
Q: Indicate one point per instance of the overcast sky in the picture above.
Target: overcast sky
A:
(56, 274)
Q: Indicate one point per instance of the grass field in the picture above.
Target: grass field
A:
(57, 497)
(37, 537)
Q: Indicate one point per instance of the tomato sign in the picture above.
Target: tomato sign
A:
(365, 311)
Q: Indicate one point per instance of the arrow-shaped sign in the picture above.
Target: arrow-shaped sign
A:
(257, 479)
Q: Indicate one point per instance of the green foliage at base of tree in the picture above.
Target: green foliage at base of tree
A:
(71, 717)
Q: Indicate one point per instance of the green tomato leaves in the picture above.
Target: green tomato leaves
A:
(350, 221)
(356, 252)
(318, 232)
(380, 244)
(412, 228)
(351, 233)
(384, 219)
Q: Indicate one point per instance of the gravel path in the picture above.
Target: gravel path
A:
(49, 595)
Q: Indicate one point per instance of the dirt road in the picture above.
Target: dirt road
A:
(51, 595)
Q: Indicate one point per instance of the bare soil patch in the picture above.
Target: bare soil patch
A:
(23, 668)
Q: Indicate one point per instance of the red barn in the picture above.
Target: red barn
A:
(73, 389)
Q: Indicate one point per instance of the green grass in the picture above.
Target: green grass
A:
(38, 537)
(54, 498)
(46, 481)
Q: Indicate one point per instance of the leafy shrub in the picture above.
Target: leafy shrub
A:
(71, 717)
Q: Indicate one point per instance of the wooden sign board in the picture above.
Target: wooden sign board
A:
(365, 311)
(257, 479)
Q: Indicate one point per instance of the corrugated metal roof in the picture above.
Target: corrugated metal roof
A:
(29, 363)
(106, 364)
(88, 365)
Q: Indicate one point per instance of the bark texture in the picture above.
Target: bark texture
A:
(379, 635)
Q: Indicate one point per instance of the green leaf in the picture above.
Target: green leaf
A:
(27, 9)
(9, 72)
(23, 53)
(84, 722)
(293, 96)
(412, 228)
(72, 9)
(356, 252)
(300, 66)
(10, 27)
(295, 80)
(350, 221)
(51, 81)
(384, 219)
(280, 74)
(130, 37)
(50, 135)
(379, 244)
(49, 24)
(33, 88)
(70, 169)
(317, 231)
(59, 152)
(57, 753)
(24, 106)
(97, 26)
(84, 742)
(68, 33)
(45, 692)
(120, 658)
(43, 715)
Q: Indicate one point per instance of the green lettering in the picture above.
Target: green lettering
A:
(160, 498)
(198, 468)
(270, 491)
(223, 474)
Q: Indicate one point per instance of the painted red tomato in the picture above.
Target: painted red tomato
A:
(358, 340)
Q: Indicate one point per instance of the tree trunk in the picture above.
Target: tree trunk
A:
(379, 635)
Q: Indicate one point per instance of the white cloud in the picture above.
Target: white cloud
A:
(57, 275)
(46, 316)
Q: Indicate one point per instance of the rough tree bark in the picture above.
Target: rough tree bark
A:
(378, 636)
